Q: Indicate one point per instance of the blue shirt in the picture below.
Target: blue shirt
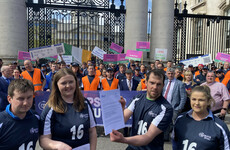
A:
(210, 133)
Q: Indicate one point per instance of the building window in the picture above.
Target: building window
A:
(227, 30)
(198, 1)
(198, 34)
(180, 6)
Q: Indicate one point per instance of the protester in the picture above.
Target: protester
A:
(226, 67)
(76, 69)
(91, 82)
(49, 77)
(137, 75)
(5, 80)
(156, 63)
(201, 78)
(160, 66)
(19, 126)
(169, 65)
(142, 85)
(199, 71)
(178, 73)
(84, 69)
(220, 77)
(67, 120)
(103, 74)
(34, 75)
(189, 85)
(109, 83)
(174, 92)
(142, 70)
(151, 116)
(199, 128)
(16, 74)
(128, 84)
(219, 93)
(152, 66)
(133, 67)
(121, 73)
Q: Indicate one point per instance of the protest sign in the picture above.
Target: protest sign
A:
(110, 58)
(160, 54)
(67, 58)
(60, 48)
(98, 52)
(222, 57)
(77, 54)
(121, 58)
(93, 97)
(116, 49)
(134, 55)
(42, 52)
(195, 61)
(23, 55)
(143, 46)
(86, 55)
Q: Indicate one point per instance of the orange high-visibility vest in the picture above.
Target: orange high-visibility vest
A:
(106, 86)
(90, 87)
(224, 81)
(165, 69)
(36, 80)
(197, 73)
(143, 85)
(98, 72)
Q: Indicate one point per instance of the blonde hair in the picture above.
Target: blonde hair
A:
(207, 93)
(186, 74)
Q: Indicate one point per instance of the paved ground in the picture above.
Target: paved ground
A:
(103, 143)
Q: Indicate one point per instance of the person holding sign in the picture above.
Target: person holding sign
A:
(67, 120)
(152, 114)
(199, 129)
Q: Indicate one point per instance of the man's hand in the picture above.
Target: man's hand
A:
(116, 136)
(123, 102)
(223, 112)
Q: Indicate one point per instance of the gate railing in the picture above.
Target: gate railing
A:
(84, 24)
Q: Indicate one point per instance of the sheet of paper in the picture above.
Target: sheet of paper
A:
(77, 54)
(112, 114)
(98, 52)
(42, 52)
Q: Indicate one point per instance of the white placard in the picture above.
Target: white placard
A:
(60, 48)
(42, 52)
(67, 58)
(112, 113)
(77, 54)
(161, 54)
(195, 61)
(98, 52)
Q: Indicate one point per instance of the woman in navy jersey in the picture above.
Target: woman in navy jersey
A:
(67, 120)
(199, 129)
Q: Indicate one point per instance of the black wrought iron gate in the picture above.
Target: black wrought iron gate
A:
(82, 23)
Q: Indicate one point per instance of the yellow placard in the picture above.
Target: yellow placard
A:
(86, 55)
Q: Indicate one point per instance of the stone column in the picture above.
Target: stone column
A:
(162, 27)
(136, 23)
(13, 29)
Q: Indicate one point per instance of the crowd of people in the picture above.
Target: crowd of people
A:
(188, 103)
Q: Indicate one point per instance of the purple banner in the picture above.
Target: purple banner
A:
(93, 96)
(117, 49)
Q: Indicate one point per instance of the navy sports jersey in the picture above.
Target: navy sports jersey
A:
(16, 133)
(208, 134)
(158, 112)
(71, 127)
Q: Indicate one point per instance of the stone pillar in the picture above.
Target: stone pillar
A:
(13, 29)
(136, 23)
(162, 27)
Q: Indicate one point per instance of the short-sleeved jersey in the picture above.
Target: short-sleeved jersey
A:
(146, 112)
(210, 133)
(71, 127)
(18, 134)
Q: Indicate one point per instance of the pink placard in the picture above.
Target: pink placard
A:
(133, 54)
(223, 57)
(116, 48)
(110, 57)
(121, 57)
(143, 45)
(23, 55)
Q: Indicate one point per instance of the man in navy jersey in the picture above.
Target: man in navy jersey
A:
(152, 114)
(18, 124)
